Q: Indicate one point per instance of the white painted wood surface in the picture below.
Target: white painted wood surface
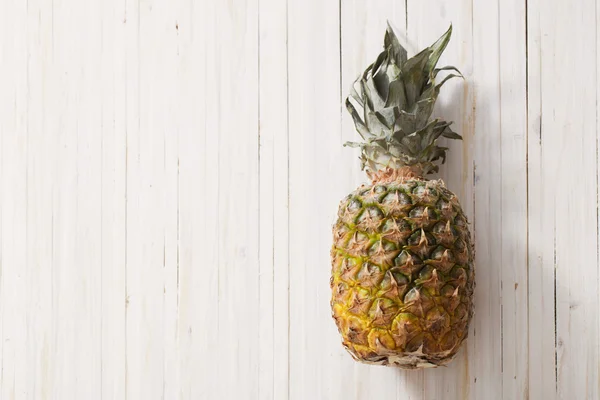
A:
(169, 172)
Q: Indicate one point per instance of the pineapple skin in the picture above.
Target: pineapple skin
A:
(402, 273)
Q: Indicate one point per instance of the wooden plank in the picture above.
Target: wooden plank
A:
(542, 339)
(37, 274)
(71, 101)
(273, 191)
(485, 343)
(316, 356)
(199, 214)
(13, 203)
(152, 205)
(112, 87)
(85, 240)
(66, 294)
(197, 220)
(569, 180)
(135, 343)
(167, 120)
(236, 75)
(513, 131)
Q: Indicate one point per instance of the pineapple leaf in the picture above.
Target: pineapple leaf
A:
(429, 134)
(397, 136)
(423, 111)
(382, 119)
(382, 58)
(434, 153)
(387, 116)
(414, 76)
(439, 153)
(392, 43)
(375, 124)
(397, 146)
(379, 73)
(429, 92)
(432, 90)
(399, 150)
(365, 74)
(371, 120)
(412, 143)
(358, 122)
(368, 102)
(376, 101)
(382, 143)
(396, 95)
(446, 79)
(446, 68)
(355, 144)
(450, 134)
(432, 168)
(392, 72)
(442, 125)
(437, 49)
(406, 122)
(354, 94)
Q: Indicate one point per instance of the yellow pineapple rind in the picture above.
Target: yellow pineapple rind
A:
(402, 274)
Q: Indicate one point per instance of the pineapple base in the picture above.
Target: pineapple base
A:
(414, 360)
(406, 361)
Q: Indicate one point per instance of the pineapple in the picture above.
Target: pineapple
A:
(402, 260)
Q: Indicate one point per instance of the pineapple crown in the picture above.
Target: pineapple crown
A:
(396, 96)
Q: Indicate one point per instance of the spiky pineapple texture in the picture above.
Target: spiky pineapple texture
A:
(402, 260)
(402, 276)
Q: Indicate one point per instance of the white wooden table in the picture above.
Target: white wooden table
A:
(170, 169)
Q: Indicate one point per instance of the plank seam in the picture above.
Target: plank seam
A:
(287, 95)
(259, 186)
(527, 246)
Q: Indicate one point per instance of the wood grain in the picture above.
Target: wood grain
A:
(169, 173)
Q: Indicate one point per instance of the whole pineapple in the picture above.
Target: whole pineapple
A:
(402, 261)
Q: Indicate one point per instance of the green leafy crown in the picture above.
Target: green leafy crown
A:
(396, 97)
